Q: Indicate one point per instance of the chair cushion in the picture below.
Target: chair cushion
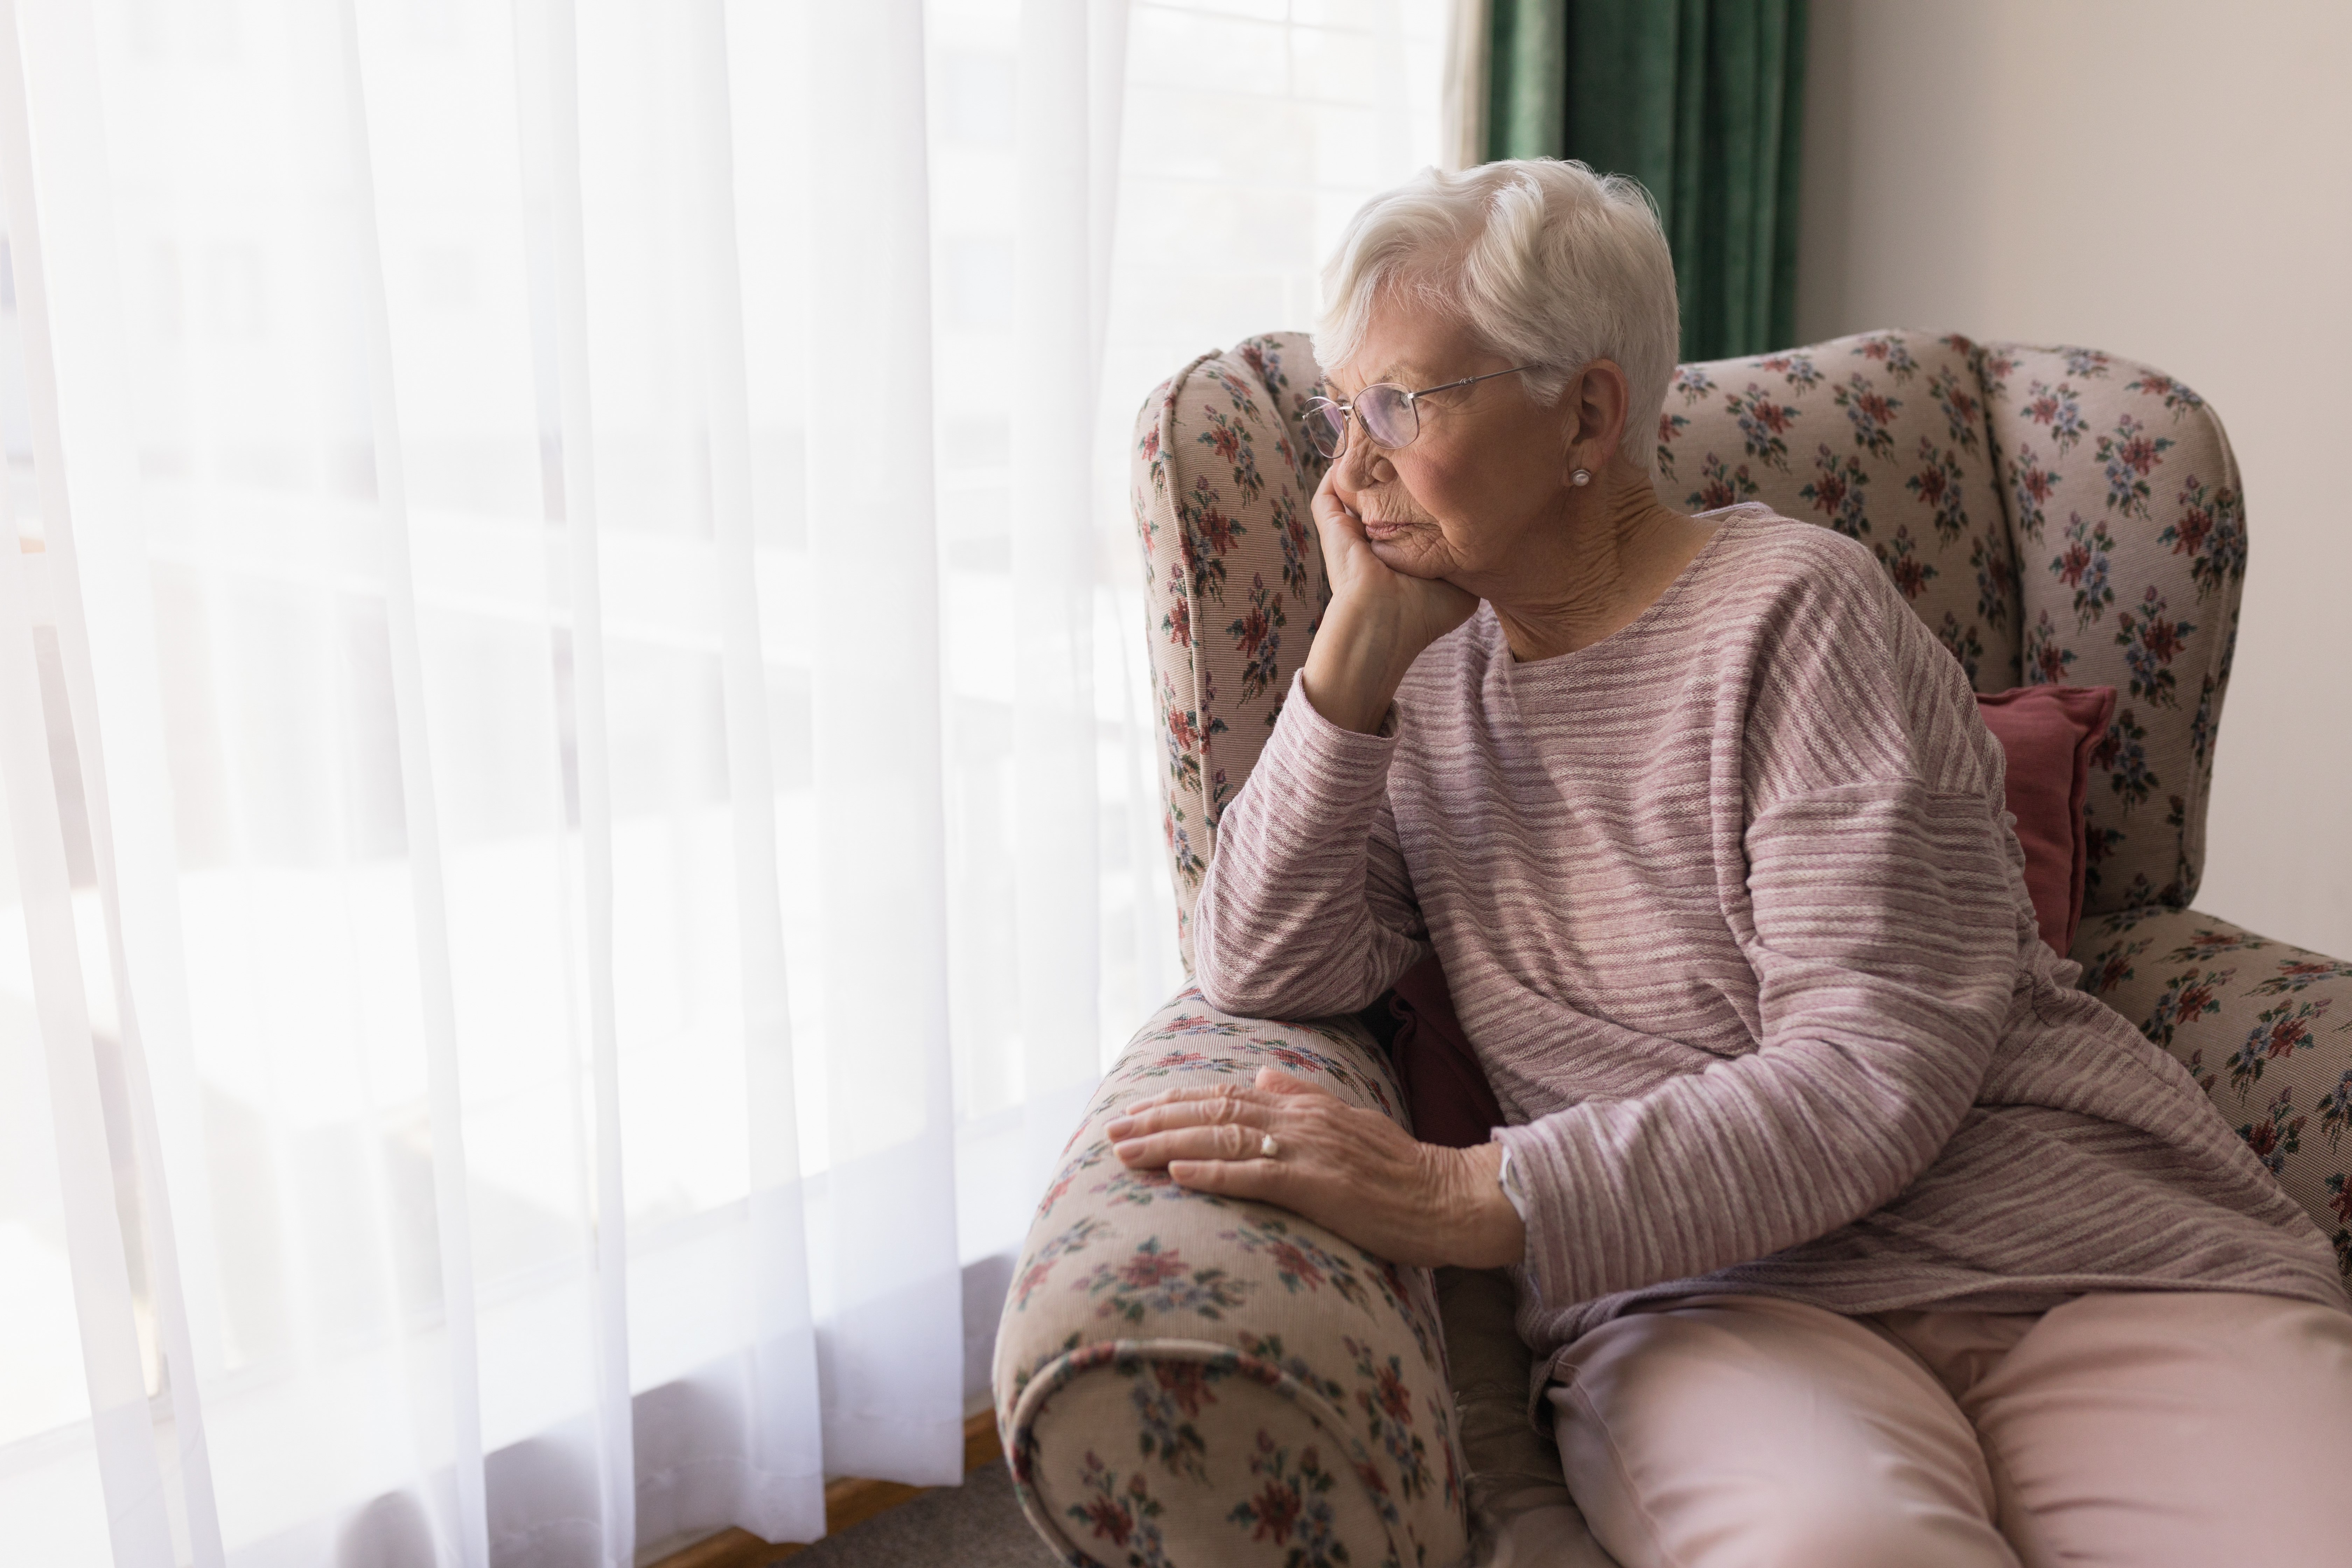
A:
(2047, 733)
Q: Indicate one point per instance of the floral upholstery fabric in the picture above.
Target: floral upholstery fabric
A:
(1234, 576)
(2265, 1028)
(2131, 540)
(1189, 1379)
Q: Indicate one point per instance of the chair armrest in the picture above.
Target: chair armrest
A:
(2265, 1028)
(1184, 1377)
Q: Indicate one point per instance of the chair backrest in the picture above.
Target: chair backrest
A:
(2055, 514)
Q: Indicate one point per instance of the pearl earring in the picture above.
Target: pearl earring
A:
(1581, 477)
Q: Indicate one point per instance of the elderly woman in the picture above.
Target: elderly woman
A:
(1851, 1231)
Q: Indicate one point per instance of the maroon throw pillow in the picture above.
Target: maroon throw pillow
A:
(2048, 732)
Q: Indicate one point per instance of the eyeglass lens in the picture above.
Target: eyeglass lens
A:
(1386, 411)
(1327, 427)
(1388, 415)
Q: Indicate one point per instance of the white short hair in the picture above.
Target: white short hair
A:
(1546, 262)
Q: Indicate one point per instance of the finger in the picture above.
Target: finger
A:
(1231, 1178)
(1229, 1142)
(1235, 1104)
(1331, 509)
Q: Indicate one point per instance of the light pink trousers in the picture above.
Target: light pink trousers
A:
(2146, 1429)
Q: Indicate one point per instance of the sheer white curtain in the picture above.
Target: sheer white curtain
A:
(578, 795)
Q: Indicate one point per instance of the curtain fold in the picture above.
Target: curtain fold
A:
(548, 105)
(1702, 100)
(462, 1527)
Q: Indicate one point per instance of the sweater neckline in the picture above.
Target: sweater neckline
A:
(1539, 671)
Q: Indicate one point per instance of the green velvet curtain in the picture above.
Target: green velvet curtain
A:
(1702, 100)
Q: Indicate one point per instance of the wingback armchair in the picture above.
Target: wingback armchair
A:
(1188, 1379)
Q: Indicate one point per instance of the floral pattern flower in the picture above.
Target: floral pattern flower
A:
(2211, 530)
(2058, 410)
(1940, 487)
(1720, 485)
(2082, 566)
(1150, 1281)
(1836, 492)
(2031, 486)
(1126, 1517)
(2276, 1134)
(1292, 1509)
(1870, 412)
(2151, 642)
(1670, 424)
(1763, 425)
(1169, 1398)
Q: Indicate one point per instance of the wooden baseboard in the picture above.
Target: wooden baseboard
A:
(846, 1502)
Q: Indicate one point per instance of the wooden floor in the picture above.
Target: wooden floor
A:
(846, 1502)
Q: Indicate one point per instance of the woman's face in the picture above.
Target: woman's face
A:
(1488, 468)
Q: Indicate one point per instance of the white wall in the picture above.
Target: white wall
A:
(2169, 180)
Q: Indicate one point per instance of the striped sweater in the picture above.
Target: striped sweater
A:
(1734, 918)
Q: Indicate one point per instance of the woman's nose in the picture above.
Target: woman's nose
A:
(1362, 464)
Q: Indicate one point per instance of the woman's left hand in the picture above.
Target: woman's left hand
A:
(1354, 1171)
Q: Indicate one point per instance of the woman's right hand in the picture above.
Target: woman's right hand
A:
(1378, 622)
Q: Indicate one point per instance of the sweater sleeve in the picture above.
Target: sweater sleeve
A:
(1306, 910)
(1885, 946)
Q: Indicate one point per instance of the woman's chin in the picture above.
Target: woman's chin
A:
(1404, 549)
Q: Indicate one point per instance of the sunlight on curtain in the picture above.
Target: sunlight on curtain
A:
(578, 790)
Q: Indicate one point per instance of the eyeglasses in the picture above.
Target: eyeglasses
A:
(1389, 415)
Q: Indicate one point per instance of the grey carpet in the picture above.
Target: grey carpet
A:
(975, 1525)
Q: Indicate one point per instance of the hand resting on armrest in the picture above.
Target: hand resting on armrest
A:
(1353, 1170)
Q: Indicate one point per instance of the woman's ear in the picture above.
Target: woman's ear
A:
(1596, 402)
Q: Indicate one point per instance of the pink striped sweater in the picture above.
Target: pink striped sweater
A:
(1734, 918)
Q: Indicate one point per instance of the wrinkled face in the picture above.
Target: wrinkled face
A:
(1488, 470)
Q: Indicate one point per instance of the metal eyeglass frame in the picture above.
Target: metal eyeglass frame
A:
(1412, 400)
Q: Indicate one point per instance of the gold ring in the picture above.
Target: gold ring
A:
(1268, 1147)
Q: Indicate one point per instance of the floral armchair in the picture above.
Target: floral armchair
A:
(1188, 1379)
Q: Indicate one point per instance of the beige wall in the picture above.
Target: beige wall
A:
(2166, 179)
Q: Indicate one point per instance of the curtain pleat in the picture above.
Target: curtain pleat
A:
(782, 1494)
(158, 1494)
(890, 1354)
(1527, 108)
(1702, 100)
(1056, 870)
(463, 1524)
(133, 1482)
(547, 58)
